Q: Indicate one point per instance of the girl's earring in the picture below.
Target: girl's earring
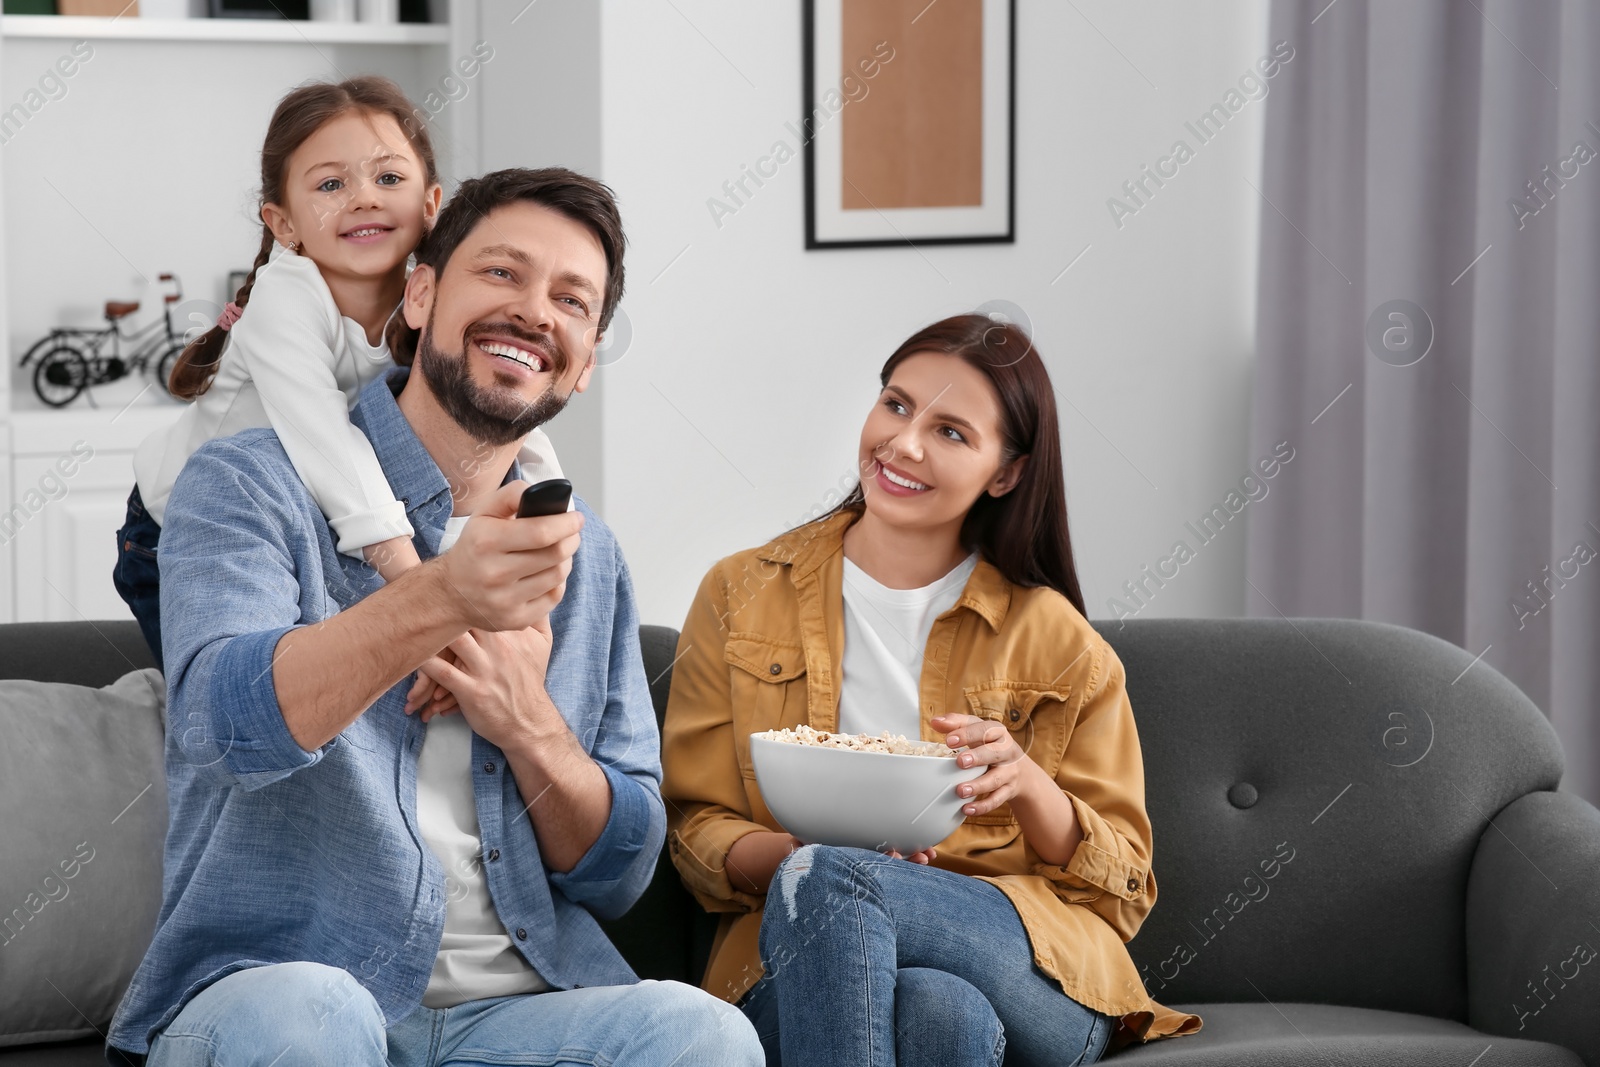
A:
(294, 246)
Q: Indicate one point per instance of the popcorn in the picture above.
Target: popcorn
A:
(891, 744)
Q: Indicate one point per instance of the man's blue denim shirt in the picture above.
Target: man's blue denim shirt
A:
(275, 854)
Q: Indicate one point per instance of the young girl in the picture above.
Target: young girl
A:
(938, 601)
(348, 189)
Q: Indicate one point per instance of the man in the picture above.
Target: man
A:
(348, 882)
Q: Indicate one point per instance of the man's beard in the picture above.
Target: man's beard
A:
(494, 417)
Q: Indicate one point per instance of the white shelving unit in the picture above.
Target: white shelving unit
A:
(282, 31)
(55, 559)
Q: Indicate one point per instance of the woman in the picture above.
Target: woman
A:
(939, 601)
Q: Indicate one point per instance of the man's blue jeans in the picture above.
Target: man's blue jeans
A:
(872, 961)
(294, 1014)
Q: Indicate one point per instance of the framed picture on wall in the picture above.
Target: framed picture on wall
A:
(908, 122)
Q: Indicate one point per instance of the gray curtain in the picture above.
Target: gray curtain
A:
(1429, 336)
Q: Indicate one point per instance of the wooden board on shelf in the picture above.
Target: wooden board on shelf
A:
(282, 31)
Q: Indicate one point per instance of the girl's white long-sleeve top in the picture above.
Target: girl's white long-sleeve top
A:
(294, 363)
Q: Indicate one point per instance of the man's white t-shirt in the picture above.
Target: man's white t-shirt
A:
(477, 958)
(885, 633)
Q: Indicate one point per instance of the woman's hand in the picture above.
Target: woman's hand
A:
(989, 744)
(925, 856)
(754, 859)
(1043, 811)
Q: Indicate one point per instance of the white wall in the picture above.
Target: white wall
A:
(753, 362)
(541, 107)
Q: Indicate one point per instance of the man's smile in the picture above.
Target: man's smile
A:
(526, 357)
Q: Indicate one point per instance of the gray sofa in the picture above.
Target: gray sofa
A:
(1361, 855)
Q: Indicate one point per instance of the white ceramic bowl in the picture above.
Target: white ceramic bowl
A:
(876, 800)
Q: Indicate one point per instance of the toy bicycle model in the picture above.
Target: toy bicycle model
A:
(71, 359)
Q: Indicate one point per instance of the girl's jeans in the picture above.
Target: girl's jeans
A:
(137, 578)
(872, 961)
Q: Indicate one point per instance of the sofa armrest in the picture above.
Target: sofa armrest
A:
(1533, 924)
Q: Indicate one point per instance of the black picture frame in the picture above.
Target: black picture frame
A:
(261, 9)
(807, 103)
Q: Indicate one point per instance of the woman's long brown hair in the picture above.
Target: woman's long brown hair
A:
(1023, 534)
(300, 114)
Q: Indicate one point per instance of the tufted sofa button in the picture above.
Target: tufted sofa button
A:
(1243, 795)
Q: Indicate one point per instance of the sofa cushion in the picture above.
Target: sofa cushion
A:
(1318, 791)
(87, 1053)
(1316, 1035)
(83, 820)
(83, 652)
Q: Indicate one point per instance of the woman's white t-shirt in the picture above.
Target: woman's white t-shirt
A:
(885, 633)
(477, 958)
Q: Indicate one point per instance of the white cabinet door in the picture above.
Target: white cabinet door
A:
(64, 547)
